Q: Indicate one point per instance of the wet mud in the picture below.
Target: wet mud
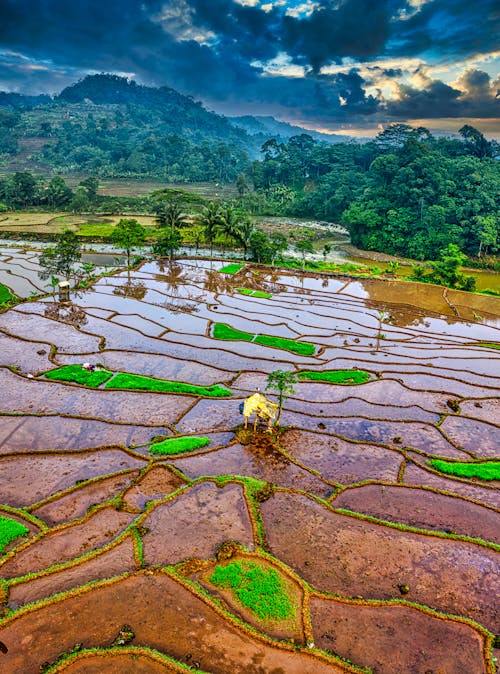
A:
(341, 500)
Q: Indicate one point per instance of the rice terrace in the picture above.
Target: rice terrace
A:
(143, 528)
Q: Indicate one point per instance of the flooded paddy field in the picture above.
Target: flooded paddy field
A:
(337, 544)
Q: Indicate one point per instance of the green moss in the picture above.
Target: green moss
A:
(178, 445)
(224, 331)
(489, 345)
(302, 348)
(488, 470)
(10, 530)
(254, 293)
(232, 268)
(5, 294)
(256, 587)
(76, 374)
(348, 377)
(140, 383)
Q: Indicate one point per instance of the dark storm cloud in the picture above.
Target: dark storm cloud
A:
(454, 28)
(215, 50)
(474, 98)
(355, 28)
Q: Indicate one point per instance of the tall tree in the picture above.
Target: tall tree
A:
(209, 219)
(167, 243)
(61, 258)
(304, 246)
(170, 215)
(128, 234)
(475, 142)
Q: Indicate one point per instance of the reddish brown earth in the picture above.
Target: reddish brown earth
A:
(188, 627)
(108, 564)
(196, 523)
(423, 509)
(67, 543)
(78, 459)
(447, 575)
(395, 639)
(111, 663)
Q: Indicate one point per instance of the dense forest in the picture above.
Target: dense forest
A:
(406, 192)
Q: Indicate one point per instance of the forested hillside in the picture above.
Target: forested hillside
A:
(109, 126)
(405, 193)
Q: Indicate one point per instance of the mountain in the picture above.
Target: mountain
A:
(268, 127)
(110, 126)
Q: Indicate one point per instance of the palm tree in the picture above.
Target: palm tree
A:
(237, 226)
(209, 219)
(170, 215)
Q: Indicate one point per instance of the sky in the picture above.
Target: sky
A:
(339, 66)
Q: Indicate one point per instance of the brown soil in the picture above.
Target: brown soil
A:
(188, 628)
(447, 575)
(76, 503)
(484, 494)
(108, 564)
(196, 523)
(258, 459)
(154, 485)
(112, 663)
(67, 543)
(433, 392)
(423, 509)
(341, 461)
(42, 475)
(29, 434)
(481, 439)
(395, 639)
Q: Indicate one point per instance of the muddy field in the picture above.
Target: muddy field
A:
(384, 563)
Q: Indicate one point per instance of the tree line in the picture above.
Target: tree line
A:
(404, 193)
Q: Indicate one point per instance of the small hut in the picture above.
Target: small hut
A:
(262, 408)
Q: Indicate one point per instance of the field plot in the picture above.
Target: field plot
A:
(143, 529)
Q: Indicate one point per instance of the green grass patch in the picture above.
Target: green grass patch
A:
(77, 375)
(139, 382)
(5, 294)
(232, 268)
(174, 446)
(103, 230)
(224, 331)
(345, 377)
(489, 470)
(254, 293)
(302, 348)
(10, 530)
(489, 345)
(257, 588)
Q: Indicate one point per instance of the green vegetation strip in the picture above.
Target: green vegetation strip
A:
(256, 588)
(254, 293)
(174, 446)
(346, 377)
(489, 345)
(224, 331)
(78, 375)
(134, 382)
(138, 382)
(231, 268)
(10, 530)
(489, 470)
(5, 294)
